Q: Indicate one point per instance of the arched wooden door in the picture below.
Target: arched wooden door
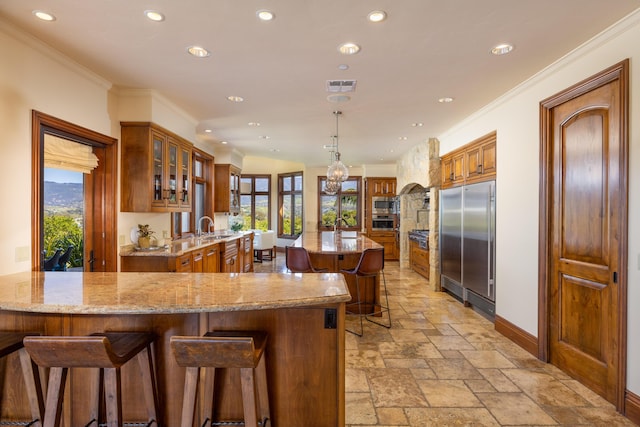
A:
(584, 232)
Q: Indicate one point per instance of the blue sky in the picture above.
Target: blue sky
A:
(62, 176)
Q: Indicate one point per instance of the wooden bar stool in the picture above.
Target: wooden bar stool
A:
(106, 351)
(230, 349)
(11, 342)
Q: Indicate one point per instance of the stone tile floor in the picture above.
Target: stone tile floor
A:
(442, 364)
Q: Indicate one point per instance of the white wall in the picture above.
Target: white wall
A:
(31, 78)
(515, 116)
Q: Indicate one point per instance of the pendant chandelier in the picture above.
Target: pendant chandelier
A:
(337, 171)
(331, 186)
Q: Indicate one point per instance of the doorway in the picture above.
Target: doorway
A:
(99, 211)
(583, 232)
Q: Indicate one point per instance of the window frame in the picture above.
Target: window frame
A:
(338, 195)
(206, 179)
(253, 193)
(292, 193)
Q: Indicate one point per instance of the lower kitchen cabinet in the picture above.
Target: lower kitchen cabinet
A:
(419, 258)
(211, 259)
(388, 240)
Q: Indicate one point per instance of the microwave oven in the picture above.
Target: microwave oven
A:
(383, 205)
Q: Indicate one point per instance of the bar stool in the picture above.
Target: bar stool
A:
(298, 261)
(11, 342)
(224, 349)
(371, 264)
(106, 351)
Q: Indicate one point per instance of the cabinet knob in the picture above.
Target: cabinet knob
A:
(479, 167)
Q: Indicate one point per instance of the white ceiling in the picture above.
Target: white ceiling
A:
(424, 50)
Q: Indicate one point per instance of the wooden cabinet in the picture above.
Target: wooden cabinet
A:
(227, 189)
(419, 258)
(229, 256)
(211, 259)
(246, 253)
(156, 169)
(474, 162)
(385, 187)
(381, 187)
(183, 264)
(388, 240)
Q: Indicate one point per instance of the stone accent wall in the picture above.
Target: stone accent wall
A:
(418, 171)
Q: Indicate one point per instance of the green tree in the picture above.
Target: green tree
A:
(61, 231)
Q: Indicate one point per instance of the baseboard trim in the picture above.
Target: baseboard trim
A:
(632, 406)
(519, 336)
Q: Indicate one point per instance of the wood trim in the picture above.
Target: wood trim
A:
(632, 407)
(619, 71)
(42, 123)
(519, 336)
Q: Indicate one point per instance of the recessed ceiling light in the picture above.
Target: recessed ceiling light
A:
(154, 15)
(343, 67)
(265, 15)
(198, 51)
(417, 125)
(223, 142)
(502, 49)
(445, 100)
(208, 131)
(264, 137)
(45, 16)
(377, 16)
(253, 124)
(349, 48)
(233, 98)
(402, 138)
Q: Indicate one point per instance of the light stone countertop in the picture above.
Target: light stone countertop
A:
(181, 246)
(328, 242)
(158, 293)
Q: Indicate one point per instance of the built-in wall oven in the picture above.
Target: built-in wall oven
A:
(383, 222)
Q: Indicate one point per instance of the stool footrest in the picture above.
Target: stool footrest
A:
(233, 423)
(18, 423)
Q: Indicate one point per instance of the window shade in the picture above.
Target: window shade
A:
(63, 154)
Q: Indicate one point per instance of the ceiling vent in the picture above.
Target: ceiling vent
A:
(341, 85)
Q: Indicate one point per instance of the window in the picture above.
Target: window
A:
(290, 212)
(255, 202)
(345, 204)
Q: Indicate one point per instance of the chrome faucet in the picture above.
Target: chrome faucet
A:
(335, 224)
(211, 224)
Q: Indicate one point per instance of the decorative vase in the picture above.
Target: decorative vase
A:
(144, 242)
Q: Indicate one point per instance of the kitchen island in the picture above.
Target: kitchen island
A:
(302, 313)
(341, 250)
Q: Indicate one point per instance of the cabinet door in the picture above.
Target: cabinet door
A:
(473, 162)
(197, 261)
(172, 173)
(159, 179)
(447, 171)
(183, 264)
(211, 259)
(185, 178)
(489, 158)
(458, 168)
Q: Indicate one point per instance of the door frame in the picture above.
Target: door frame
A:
(42, 124)
(619, 71)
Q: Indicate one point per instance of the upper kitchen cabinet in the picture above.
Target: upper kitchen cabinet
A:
(385, 187)
(474, 162)
(156, 169)
(227, 189)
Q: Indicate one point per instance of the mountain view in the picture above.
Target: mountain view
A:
(63, 198)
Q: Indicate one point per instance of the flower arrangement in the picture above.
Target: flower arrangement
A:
(144, 235)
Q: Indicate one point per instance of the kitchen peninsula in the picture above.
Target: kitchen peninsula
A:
(341, 250)
(302, 314)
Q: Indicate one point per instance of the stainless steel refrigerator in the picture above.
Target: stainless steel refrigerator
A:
(467, 243)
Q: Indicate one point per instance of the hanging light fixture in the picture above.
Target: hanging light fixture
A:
(331, 186)
(337, 171)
